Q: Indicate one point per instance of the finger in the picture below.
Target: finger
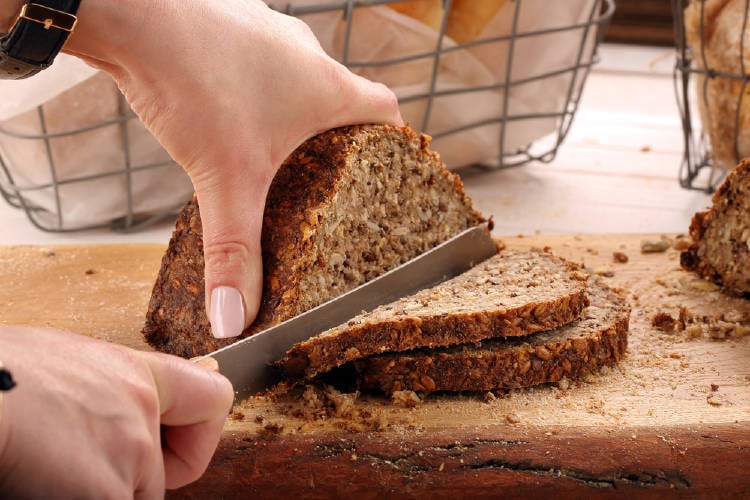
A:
(364, 101)
(208, 363)
(376, 101)
(357, 101)
(231, 202)
(368, 101)
(188, 451)
(194, 403)
(152, 483)
(188, 394)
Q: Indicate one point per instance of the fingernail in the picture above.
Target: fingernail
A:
(227, 314)
(208, 363)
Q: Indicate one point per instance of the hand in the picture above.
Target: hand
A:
(84, 419)
(230, 89)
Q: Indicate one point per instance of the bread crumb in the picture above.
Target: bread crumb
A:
(238, 415)
(702, 285)
(654, 246)
(272, 428)
(620, 257)
(512, 418)
(694, 331)
(588, 377)
(681, 245)
(603, 271)
(407, 399)
(717, 399)
(664, 322)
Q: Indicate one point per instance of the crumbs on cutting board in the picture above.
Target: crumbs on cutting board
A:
(683, 303)
(687, 353)
(620, 257)
(311, 407)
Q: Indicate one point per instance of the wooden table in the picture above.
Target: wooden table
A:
(672, 419)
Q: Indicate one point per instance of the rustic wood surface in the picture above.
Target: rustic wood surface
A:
(672, 419)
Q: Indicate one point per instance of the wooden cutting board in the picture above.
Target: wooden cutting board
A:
(672, 418)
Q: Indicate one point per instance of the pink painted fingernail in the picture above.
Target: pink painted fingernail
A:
(227, 314)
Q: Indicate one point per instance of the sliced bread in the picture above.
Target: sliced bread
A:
(510, 294)
(720, 250)
(345, 207)
(596, 339)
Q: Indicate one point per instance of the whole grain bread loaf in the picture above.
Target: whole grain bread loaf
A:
(596, 339)
(720, 250)
(510, 294)
(345, 207)
(716, 34)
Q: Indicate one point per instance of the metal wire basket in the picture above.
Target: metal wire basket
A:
(428, 101)
(710, 80)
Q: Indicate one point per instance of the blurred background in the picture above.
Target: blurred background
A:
(577, 116)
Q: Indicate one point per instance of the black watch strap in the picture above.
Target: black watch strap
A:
(37, 36)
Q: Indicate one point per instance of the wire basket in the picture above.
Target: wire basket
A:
(517, 109)
(83, 160)
(711, 81)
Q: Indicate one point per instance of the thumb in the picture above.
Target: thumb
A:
(193, 404)
(231, 209)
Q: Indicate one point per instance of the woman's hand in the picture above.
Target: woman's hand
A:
(230, 89)
(84, 420)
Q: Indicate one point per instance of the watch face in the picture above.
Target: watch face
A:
(47, 17)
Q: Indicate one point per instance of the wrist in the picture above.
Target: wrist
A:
(9, 9)
(106, 29)
(6, 383)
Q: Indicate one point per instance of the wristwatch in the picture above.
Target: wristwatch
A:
(36, 37)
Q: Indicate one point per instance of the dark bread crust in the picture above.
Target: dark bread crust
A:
(597, 339)
(511, 294)
(318, 238)
(176, 321)
(720, 250)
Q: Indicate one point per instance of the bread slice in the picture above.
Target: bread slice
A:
(599, 338)
(510, 294)
(720, 250)
(345, 207)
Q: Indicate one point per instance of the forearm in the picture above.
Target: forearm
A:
(110, 30)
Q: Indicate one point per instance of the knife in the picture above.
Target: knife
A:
(247, 363)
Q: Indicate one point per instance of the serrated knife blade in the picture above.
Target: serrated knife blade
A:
(247, 363)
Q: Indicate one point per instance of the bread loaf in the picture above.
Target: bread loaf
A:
(428, 12)
(714, 34)
(511, 294)
(346, 206)
(720, 250)
(466, 18)
(598, 338)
